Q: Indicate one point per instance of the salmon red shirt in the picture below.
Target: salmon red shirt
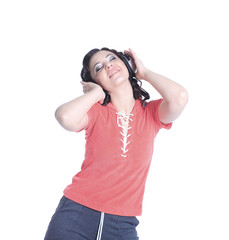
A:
(118, 154)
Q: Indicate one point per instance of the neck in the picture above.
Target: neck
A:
(123, 100)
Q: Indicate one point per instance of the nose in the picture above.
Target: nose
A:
(108, 65)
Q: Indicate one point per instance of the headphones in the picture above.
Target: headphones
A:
(129, 62)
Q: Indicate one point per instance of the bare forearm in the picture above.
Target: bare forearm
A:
(175, 96)
(70, 114)
(168, 89)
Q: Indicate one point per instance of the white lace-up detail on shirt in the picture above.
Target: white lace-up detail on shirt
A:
(123, 122)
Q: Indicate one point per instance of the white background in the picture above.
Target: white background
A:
(42, 44)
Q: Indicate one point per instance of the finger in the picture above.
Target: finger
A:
(132, 53)
(84, 83)
(85, 91)
(127, 52)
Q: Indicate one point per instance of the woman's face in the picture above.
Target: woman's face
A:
(108, 70)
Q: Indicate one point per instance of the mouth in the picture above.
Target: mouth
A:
(113, 73)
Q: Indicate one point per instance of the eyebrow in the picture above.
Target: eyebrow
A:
(99, 62)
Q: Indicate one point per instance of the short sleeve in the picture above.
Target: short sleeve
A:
(92, 115)
(153, 107)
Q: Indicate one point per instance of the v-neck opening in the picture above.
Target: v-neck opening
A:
(136, 103)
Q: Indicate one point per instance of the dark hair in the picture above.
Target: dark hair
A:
(138, 91)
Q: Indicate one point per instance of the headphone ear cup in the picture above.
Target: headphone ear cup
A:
(129, 62)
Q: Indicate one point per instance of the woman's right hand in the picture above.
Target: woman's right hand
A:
(90, 86)
(73, 115)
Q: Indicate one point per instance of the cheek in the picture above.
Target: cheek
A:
(126, 73)
(96, 77)
(125, 70)
(100, 79)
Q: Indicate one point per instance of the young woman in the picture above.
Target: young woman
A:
(105, 197)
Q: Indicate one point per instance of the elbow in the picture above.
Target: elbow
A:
(61, 117)
(58, 114)
(183, 97)
(66, 120)
(179, 100)
(172, 109)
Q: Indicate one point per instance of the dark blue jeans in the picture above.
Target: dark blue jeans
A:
(73, 221)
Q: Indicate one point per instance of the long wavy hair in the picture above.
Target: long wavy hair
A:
(138, 91)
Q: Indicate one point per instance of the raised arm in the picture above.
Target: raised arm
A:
(174, 95)
(73, 115)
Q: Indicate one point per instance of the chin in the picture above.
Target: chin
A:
(119, 80)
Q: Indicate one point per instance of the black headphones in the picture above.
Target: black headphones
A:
(129, 62)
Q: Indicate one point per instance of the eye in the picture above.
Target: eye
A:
(111, 58)
(98, 68)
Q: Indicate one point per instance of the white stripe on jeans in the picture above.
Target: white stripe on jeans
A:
(99, 234)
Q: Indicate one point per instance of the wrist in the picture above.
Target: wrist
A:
(100, 95)
(146, 74)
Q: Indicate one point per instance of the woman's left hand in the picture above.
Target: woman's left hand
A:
(141, 69)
